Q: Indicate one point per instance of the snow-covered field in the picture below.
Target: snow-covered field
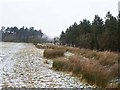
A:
(22, 65)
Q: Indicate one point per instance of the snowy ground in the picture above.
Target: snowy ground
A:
(22, 65)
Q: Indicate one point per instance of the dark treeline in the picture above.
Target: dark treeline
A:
(100, 34)
(13, 34)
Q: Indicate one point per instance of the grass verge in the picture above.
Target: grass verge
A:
(91, 70)
(99, 69)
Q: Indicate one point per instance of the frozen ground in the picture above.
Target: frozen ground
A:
(22, 65)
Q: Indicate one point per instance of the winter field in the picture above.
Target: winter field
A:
(22, 65)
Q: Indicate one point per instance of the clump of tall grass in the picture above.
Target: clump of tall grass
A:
(90, 70)
(107, 58)
(65, 64)
(116, 70)
(61, 64)
(95, 73)
(53, 53)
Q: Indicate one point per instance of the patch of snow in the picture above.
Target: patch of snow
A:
(23, 66)
(68, 54)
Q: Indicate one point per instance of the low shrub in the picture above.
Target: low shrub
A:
(53, 53)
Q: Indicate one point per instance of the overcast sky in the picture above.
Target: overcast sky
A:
(52, 16)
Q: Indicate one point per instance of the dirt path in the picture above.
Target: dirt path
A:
(24, 67)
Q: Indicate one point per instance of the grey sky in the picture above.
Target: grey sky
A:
(119, 7)
(52, 16)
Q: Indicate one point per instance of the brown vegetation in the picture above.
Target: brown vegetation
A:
(95, 67)
(53, 53)
(91, 71)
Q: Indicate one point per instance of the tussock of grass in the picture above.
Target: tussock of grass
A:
(60, 63)
(107, 58)
(92, 71)
(53, 53)
(115, 70)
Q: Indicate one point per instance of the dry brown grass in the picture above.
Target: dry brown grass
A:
(90, 54)
(53, 53)
(91, 70)
(104, 58)
(94, 73)
(99, 68)
(107, 58)
(61, 64)
(115, 70)
(73, 50)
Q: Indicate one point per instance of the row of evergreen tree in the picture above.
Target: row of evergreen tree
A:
(100, 34)
(13, 34)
